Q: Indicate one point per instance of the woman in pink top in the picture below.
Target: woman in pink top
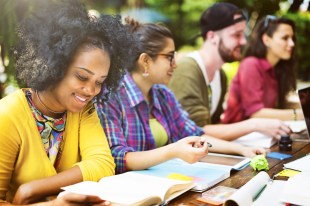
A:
(266, 75)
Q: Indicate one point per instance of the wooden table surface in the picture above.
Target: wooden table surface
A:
(239, 178)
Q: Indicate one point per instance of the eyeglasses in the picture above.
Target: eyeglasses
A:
(268, 19)
(170, 57)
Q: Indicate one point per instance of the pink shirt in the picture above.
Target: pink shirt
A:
(254, 87)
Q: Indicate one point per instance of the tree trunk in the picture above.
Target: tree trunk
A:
(295, 6)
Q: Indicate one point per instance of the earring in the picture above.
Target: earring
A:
(145, 73)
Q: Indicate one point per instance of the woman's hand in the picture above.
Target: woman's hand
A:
(70, 199)
(271, 127)
(191, 149)
(252, 151)
(25, 195)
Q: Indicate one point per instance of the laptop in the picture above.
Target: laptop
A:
(304, 98)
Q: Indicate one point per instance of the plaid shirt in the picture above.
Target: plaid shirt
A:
(125, 119)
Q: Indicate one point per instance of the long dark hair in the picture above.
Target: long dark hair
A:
(284, 69)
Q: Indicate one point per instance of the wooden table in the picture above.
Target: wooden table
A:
(239, 178)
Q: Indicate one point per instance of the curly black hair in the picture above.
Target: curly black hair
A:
(49, 38)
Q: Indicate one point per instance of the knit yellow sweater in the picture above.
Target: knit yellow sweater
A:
(23, 158)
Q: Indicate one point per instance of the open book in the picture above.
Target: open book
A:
(205, 175)
(260, 190)
(132, 188)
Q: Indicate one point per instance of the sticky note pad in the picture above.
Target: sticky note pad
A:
(177, 176)
(278, 155)
(287, 173)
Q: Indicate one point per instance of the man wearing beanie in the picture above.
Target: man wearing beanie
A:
(198, 82)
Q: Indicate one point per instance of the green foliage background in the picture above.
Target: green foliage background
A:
(183, 19)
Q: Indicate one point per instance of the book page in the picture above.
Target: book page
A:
(129, 188)
(256, 139)
(248, 192)
(204, 175)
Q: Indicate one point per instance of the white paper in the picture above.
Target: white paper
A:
(256, 139)
(297, 126)
(301, 164)
(297, 190)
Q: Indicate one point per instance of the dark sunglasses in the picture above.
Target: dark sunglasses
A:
(268, 19)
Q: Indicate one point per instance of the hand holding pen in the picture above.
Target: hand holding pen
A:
(201, 142)
(190, 149)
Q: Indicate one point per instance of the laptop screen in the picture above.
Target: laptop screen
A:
(304, 97)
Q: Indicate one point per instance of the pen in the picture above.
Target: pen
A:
(209, 145)
(202, 143)
(203, 140)
(259, 192)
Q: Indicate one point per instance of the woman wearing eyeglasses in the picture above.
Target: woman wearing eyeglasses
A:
(266, 75)
(144, 123)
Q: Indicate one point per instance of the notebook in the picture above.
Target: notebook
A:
(304, 98)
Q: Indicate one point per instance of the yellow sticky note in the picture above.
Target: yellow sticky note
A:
(287, 173)
(177, 176)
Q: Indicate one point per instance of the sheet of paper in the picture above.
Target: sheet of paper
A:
(297, 126)
(297, 190)
(301, 164)
(256, 139)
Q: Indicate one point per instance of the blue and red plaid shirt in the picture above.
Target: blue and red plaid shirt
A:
(125, 119)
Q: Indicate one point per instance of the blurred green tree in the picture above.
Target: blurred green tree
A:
(182, 18)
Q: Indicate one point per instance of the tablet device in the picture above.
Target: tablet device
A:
(233, 161)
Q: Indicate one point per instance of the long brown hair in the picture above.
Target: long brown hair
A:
(284, 69)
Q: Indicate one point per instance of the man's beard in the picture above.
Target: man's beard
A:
(227, 54)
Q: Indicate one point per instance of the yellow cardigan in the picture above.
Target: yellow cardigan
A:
(23, 158)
